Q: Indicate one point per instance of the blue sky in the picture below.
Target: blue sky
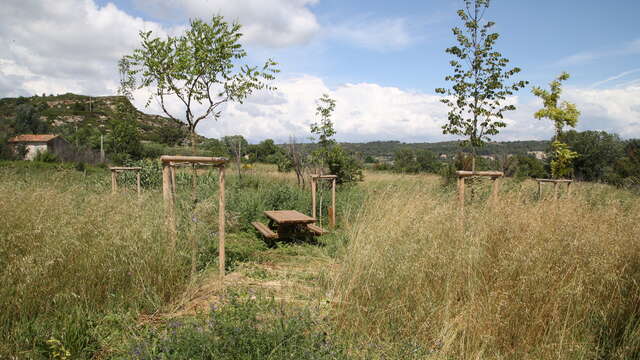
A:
(381, 60)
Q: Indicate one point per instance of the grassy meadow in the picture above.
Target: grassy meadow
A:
(89, 274)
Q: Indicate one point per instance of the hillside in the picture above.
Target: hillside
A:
(70, 113)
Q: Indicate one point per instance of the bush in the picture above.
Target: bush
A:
(45, 156)
(344, 165)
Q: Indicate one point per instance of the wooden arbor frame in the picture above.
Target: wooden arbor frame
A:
(168, 186)
(556, 183)
(494, 175)
(118, 169)
(314, 190)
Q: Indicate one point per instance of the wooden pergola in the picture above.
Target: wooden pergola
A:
(314, 190)
(168, 191)
(118, 169)
(556, 183)
(494, 175)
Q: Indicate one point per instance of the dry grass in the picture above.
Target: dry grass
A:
(520, 279)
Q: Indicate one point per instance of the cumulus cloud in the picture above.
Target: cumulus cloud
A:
(274, 23)
(67, 45)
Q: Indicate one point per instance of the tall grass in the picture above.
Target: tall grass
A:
(519, 279)
(69, 255)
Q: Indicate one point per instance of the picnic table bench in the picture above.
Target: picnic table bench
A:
(284, 224)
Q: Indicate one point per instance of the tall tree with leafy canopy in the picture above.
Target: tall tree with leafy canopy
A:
(200, 68)
(480, 81)
(565, 114)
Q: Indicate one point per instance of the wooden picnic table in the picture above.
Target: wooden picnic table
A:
(287, 223)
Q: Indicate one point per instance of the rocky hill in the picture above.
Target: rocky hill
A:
(70, 112)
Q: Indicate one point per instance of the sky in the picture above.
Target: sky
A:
(380, 60)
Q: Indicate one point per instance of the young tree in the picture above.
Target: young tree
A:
(565, 114)
(200, 67)
(477, 98)
(323, 129)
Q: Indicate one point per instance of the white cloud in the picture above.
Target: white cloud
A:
(629, 48)
(385, 34)
(274, 23)
(67, 45)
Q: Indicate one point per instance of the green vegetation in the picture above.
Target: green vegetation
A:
(90, 273)
(480, 80)
(567, 114)
(199, 67)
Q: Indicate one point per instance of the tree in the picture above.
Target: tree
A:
(427, 161)
(599, 151)
(404, 161)
(200, 67)
(124, 140)
(323, 129)
(480, 80)
(565, 114)
(28, 121)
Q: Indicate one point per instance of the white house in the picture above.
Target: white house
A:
(34, 143)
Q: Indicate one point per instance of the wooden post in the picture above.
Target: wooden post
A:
(555, 190)
(221, 225)
(313, 198)
(173, 178)
(461, 191)
(569, 188)
(114, 181)
(496, 188)
(194, 183)
(167, 194)
(539, 190)
(138, 182)
(332, 215)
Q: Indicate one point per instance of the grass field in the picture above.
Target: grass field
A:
(87, 274)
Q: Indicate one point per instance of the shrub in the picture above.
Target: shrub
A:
(45, 156)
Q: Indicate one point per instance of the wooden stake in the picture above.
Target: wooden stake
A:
(173, 179)
(332, 215)
(313, 198)
(138, 183)
(496, 188)
(569, 189)
(194, 181)
(539, 190)
(114, 182)
(555, 190)
(167, 195)
(221, 226)
(461, 192)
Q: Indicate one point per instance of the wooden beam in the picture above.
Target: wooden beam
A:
(193, 159)
(221, 220)
(123, 168)
(554, 180)
(315, 176)
(479, 173)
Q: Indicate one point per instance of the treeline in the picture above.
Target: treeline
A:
(603, 157)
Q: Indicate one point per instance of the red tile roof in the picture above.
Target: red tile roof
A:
(33, 138)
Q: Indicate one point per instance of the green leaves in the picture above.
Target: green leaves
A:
(479, 80)
(200, 66)
(565, 114)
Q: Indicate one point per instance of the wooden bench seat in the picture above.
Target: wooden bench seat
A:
(316, 229)
(264, 230)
